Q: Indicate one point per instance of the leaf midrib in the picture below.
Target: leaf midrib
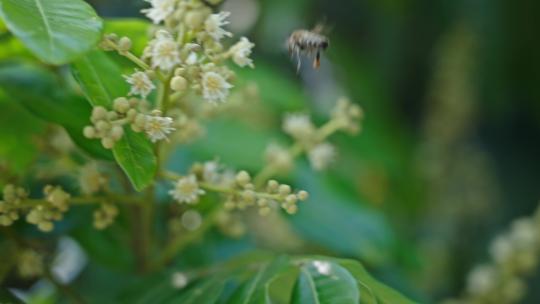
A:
(312, 285)
(48, 28)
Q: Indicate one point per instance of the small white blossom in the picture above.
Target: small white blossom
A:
(211, 172)
(160, 10)
(191, 58)
(90, 179)
(323, 267)
(164, 51)
(186, 190)
(321, 156)
(214, 23)
(481, 279)
(524, 233)
(278, 156)
(140, 84)
(179, 280)
(215, 87)
(157, 127)
(240, 52)
(191, 220)
(298, 125)
(501, 249)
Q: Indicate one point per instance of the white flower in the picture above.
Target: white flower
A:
(298, 126)
(160, 10)
(501, 249)
(186, 190)
(157, 127)
(191, 220)
(213, 25)
(191, 58)
(481, 279)
(164, 51)
(524, 233)
(215, 87)
(321, 156)
(323, 267)
(90, 179)
(211, 172)
(278, 156)
(240, 52)
(179, 280)
(140, 84)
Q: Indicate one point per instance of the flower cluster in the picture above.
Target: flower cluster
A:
(312, 140)
(514, 253)
(105, 215)
(90, 179)
(109, 125)
(9, 206)
(43, 215)
(237, 188)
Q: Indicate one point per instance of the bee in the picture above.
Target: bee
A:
(308, 42)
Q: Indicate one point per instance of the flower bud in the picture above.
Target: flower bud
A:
(121, 105)
(303, 195)
(242, 178)
(99, 113)
(124, 45)
(102, 126)
(178, 83)
(89, 132)
(107, 142)
(284, 190)
(117, 132)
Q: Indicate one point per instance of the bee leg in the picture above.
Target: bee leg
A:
(299, 61)
(317, 61)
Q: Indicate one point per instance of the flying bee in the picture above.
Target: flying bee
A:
(308, 42)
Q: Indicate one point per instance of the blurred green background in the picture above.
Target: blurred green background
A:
(449, 152)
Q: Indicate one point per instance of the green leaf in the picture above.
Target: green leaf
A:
(205, 292)
(383, 293)
(254, 290)
(56, 31)
(102, 82)
(39, 92)
(337, 286)
(135, 155)
(18, 149)
(363, 232)
(279, 289)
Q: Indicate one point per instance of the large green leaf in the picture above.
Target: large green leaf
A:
(57, 31)
(382, 293)
(334, 285)
(18, 149)
(40, 92)
(363, 232)
(102, 82)
(205, 292)
(254, 290)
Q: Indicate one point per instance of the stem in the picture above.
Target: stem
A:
(82, 200)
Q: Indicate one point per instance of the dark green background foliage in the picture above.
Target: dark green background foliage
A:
(448, 155)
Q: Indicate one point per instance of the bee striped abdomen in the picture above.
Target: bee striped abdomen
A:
(307, 42)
